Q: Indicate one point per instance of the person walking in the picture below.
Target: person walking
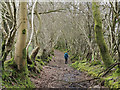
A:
(66, 57)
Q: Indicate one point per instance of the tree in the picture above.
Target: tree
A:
(20, 49)
(119, 35)
(9, 29)
(107, 59)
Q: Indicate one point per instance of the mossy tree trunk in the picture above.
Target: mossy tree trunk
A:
(119, 35)
(107, 59)
(119, 46)
(20, 50)
(9, 29)
(4, 53)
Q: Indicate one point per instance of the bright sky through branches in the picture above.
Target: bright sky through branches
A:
(61, 0)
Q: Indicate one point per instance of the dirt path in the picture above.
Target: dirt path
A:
(59, 75)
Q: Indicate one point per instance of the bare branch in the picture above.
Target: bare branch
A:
(50, 11)
(32, 25)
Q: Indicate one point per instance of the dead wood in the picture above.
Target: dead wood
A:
(108, 69)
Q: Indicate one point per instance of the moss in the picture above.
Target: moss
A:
(49, 58)
(14, 78)
(24, 53)
(112, 80)
(23, 31)
(107, 59)
(75, 65)
(95, 63)
(74, 58)
(39, 66)
(36, 66)
(118, 71)
(52, 52)
(9, 63)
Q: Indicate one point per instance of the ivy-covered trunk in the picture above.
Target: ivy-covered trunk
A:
(107, 59)
(20, 49)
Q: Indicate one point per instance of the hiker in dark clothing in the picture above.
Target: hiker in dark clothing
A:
(66, 58)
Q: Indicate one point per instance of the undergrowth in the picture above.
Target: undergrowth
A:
(111, 80)
(13, 78)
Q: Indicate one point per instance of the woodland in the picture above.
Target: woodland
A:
(35, 35)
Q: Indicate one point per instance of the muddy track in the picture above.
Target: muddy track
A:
(59, 75)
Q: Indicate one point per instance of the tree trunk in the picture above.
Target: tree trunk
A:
(118, 48)
(107, 59)
(9, 30)
(20, 50)
(119, 35)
